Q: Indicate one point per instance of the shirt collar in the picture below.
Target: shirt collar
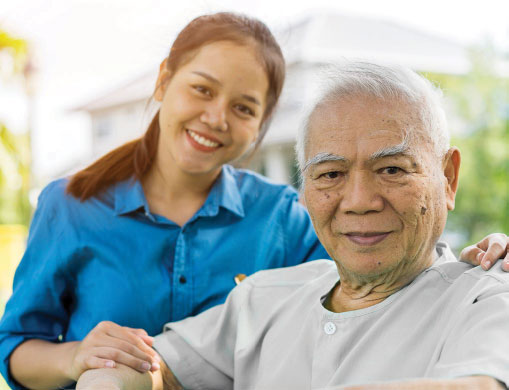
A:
(224, 193)
(129, 196)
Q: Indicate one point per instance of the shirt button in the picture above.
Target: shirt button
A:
(182, 279)
(329, 328)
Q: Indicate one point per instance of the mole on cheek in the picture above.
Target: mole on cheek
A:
(423, 210)
(327, 196)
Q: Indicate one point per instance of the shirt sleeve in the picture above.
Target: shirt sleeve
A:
(301, 242)
(200, 350)
(37, 306)
(478, 343)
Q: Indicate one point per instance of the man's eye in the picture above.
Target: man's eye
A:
(203, 90)
(331, 175)
(391, 170)
(244, 109)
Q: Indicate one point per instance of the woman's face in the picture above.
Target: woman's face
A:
(211, 108)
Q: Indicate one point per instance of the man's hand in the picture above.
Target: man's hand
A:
(108, 344)
(487, 251)
(125, 378)
(119, 378)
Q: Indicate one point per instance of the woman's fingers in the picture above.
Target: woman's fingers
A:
(472, 254)
(488, 251)
(103, 356)
(134, 351)
(495, 247)
(130, 335)
(143, 335)
(97, 362)
(505, 263)
(127, 340)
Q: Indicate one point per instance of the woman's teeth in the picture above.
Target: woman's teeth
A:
(202, 140)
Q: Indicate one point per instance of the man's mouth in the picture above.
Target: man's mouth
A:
(367, 238)
(202, 142)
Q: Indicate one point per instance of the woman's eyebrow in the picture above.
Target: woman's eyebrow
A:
(252, 99)
(207, 76)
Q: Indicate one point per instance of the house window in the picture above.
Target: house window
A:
(103, 128)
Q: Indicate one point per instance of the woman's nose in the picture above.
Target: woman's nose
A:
(214, 115)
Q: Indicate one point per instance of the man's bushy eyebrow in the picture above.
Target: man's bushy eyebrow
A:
(400, 149)
(321, 158)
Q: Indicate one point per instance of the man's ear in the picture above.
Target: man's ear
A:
(451, 166)
(162, 81)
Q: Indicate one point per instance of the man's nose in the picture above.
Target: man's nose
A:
(214, 115)
(361, 194)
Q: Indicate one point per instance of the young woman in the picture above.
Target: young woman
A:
(158, 229)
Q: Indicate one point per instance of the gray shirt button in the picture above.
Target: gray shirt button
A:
(329, 328)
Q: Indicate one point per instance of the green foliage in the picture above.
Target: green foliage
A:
(480, 105)
(14, 149)
(14, 177)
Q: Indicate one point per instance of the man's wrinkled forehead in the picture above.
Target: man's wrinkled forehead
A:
(332, 121)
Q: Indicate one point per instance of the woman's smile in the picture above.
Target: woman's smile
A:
(202, 142)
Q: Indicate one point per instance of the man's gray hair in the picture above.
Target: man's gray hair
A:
(385, 83)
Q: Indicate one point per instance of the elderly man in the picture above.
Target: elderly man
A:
(379, 178)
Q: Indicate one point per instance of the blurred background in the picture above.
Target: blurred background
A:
(76, 76)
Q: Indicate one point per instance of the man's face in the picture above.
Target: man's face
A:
(378, 203)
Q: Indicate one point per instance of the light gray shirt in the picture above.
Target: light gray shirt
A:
(274, 333)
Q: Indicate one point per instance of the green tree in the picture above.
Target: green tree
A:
(480, 105)
(14, 149)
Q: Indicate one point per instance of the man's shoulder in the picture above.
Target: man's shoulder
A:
(294, 276)
(495, 274)
(454, 270)
(473, 283)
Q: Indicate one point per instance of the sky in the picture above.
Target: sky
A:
(82, 48)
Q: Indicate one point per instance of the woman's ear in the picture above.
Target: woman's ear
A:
(162, 81)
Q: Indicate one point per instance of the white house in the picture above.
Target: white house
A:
(309, 44)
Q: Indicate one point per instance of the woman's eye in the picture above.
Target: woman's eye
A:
(203, 90)
(244, 109)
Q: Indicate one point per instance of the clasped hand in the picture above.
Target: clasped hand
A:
(109, 344)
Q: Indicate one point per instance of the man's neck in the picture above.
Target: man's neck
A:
(356, 292)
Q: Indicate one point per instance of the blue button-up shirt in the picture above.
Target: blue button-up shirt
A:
(110, 258)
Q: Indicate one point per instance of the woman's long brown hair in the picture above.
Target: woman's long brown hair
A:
(135, 158)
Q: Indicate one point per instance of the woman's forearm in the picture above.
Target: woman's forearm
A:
(40, 364)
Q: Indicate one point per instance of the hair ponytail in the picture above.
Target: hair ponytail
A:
(131, 159)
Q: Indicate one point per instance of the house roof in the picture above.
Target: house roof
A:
(329, 37)
(136, 89)
(325, 37)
